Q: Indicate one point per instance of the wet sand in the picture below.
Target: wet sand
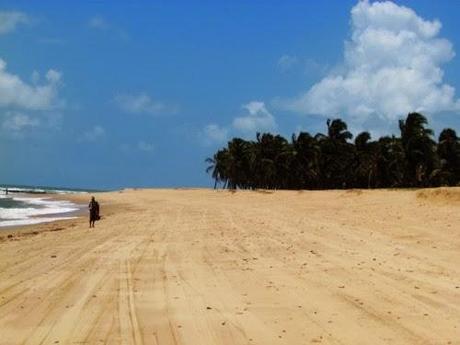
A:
(206, 267)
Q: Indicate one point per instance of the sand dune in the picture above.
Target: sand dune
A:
(204, 267)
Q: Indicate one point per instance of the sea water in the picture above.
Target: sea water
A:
(24, 205)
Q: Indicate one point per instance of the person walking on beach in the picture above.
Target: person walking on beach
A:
(93, 212)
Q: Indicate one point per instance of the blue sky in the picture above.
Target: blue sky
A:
(113, 94)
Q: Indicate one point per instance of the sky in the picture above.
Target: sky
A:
(112, 94)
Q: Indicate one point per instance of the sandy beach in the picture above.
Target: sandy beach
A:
(214, 267)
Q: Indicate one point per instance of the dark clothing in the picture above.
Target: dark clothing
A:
(93, 210)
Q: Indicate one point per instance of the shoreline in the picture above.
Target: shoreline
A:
(78, 209)
(79, 199)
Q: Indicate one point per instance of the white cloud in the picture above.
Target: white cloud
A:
(101, 24)
(98, 22)
(29, 105)
(93, 134)
(15, 93)
(35, 77)
(53, 76)
(26, 105)
(258, 119)
(314, 68)
(286, 62)
(140, 103)
(308, 66)
(392, 66)
(9, 20)
(18, 122)
(214, 134)
(144, 146)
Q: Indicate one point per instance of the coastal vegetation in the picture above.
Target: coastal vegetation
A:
(334, 160)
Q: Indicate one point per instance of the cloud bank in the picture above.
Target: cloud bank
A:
(18, 122)
(93, 134)
(98, 23)
(286, 62)
(392, 66)
(214, 133)
(141, 104)
(9, 20)
(16, 93)
(257, 118)
(26, 106)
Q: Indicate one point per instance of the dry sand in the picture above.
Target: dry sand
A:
(204, 267)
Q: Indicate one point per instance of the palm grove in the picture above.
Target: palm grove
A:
(330, 161)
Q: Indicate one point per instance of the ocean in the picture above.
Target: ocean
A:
(25, 205)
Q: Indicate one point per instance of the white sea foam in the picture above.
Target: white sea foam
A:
(23, 190)
(38, 190)
(35, 210)
(31, 221)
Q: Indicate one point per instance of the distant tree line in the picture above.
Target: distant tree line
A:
(334, 161)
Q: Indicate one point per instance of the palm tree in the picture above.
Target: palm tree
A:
(336, 155)
(212, 167)
(306, 165)
(365, 168)
(337, 130)
(390, 163)
(332, 161)
(237, 164)
(217, 167)
(449, 154)
(419, 148)
(270, 161)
